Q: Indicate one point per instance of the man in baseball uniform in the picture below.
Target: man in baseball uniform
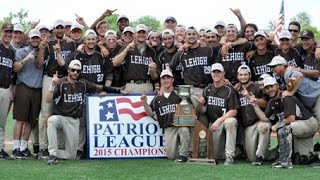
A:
(293, 121)
(163, 108)
(221, 104)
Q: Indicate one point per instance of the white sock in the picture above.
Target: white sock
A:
(16, 144)
(24, 145)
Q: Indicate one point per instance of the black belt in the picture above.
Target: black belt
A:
(138, 81)
(4, 86)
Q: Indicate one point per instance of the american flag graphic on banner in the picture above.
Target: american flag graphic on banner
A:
(111, 109)
(280, 24)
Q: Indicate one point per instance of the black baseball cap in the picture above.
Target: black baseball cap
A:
(170, 18)
(307, 34)
(7, 26)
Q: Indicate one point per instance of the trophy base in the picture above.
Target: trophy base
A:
(202, 161)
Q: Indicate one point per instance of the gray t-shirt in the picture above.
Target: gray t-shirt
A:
(308, 90)
(29, 75)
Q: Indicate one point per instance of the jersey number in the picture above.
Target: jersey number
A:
(100, 77)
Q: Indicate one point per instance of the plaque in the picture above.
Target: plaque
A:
(202, 150)
(185, 113)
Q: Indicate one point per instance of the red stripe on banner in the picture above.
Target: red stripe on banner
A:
(127, 100)
(135, 116)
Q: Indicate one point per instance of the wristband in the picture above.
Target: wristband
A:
(23, 62)
(51, 88)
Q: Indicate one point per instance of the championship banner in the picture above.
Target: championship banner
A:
(119, 127)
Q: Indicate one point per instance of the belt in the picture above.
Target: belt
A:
(138, 81)
(4, 86)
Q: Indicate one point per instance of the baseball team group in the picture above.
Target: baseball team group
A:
(244, 86)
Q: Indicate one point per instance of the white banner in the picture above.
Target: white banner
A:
(118, 127)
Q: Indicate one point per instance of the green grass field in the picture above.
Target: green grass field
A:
(144, 169)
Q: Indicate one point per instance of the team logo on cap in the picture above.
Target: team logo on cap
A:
(305, 33)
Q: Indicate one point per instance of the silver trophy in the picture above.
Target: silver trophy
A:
(185, 113)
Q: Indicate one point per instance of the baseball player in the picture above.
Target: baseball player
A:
(6, 71)
(158, 109)
(220, 102)
(293, 122)
(256, 132)
(68, 94)
(51, 56)
(137, 58)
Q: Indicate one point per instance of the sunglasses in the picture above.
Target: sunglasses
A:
(78, 31)
(293, 30)
(75, 70)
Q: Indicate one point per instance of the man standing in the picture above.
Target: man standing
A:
(177, 138)
(137, 58)
(51, 57)
(27, 101)
(6, 72)
(220, 102)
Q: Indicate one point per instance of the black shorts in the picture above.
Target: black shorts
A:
(27, 104)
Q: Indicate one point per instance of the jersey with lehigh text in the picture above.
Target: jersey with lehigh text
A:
(310, 62)
(289, 105)
(117, 72)
(293, 57)
(196, 64)
(163, 60)
(69, 98)
(136, 65)
(94, 66)
(50, 57)
(235, 57)
(219, 101)
(258, 64)
(165, 108)
(6, 66)
(246, 112)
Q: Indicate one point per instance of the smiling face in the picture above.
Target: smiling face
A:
(141, 36)
(217, 76)
(243, 76)
(6, 36)
(249, 33)
(260, 42)
(285, 43)
(166, 81)
(34, 41)
(231, 34)
(272, 90)
(91, 41)
(191, 37)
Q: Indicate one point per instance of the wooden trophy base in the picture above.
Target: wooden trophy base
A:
(201, 130)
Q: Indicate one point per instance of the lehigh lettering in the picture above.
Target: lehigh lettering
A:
(261, 69)
(244, 101)
(215, 101)
(139, 60)
(171, 108)
(91, 69)
(196, 61)
(237, 56)
(72, 97)
(6, 62)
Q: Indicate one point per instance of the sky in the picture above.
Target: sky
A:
(202, 13)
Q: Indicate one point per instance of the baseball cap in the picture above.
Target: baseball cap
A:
(7, 26)
(154, 33)
(182, 27)
(191, 28)
(122, 17)
(203, 30)
(285, 34)
(307, 34)
(58, 22)
(128, 29)
(167, 32)
(75, 26)
(212, 31)
(75, 64)
(269, 81)
(166, 72)
(260, 33)
(42, 27)
(34, 33)
(277, 60)
(217, 66)
(99, 23)
(67, 23)
(141, 27)
(170, 18)
(110, 33)
(220, 23)
(263, 76)
(90, 31)
(18, 27)
(244, 67)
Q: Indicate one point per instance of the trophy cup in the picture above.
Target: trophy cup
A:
(185, 113)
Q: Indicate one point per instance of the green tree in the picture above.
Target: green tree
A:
(303, 18)
(112, 21)
(271, 25)
(20, 16)
(150, 21)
